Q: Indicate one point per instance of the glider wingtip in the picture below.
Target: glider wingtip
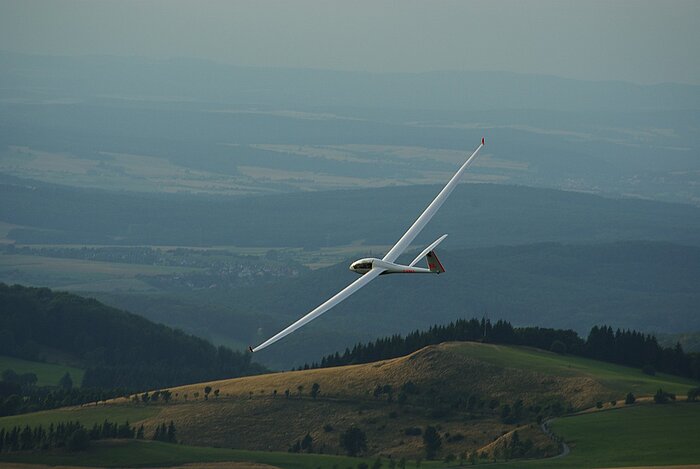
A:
(250, 347)
(482, 141)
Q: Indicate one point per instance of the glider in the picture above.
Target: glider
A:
(371, 268)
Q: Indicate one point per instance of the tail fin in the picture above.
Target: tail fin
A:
(434, 263)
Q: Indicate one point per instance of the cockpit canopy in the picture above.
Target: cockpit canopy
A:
(362, 265)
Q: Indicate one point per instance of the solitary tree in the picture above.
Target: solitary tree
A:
(66, 382)
(662, 397)
(307, 443)
(354, 441)
(172, 433)
(629, 399)
(300, 388)
(314, 390)
(432, 441)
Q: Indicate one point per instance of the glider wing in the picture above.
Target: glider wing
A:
(340, 296)
(425, 217)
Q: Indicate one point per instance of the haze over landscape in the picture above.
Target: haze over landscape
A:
(213, 168)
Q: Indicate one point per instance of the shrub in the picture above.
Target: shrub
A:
(558, 347)
(432, 441)
(662, 397)
(354, 441)
(629, 399)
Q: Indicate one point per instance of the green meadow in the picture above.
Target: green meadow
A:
(619, 378)
(641, 435)
(88, 415)
(48, 374)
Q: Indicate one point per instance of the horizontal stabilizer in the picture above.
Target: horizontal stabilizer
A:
(427, 250)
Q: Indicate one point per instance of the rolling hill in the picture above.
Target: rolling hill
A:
(117, 349)
(462, 388)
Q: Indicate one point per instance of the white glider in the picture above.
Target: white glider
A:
(371, 268)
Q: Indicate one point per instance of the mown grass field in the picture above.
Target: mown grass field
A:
(619, 378)
(642, 435)
(87, 415)
(48, 374)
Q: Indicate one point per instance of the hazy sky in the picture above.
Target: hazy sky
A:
(639, 41)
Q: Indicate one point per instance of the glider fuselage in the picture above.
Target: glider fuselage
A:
(362, 266)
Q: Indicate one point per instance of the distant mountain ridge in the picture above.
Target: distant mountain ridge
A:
(190, 79)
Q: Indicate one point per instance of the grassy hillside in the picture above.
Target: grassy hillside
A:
(88, 415)
(462, 387)
(648, 435)
(634, 436)
(619, 379)
(453, 386)
(48, 374)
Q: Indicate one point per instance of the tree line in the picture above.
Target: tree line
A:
(74, 436)
(119, 349)
(624, 347)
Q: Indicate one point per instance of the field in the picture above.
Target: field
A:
(646, 435)
(88, 415)
(48, 374)
(259, 169)
(621, 379)
(78, 274)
